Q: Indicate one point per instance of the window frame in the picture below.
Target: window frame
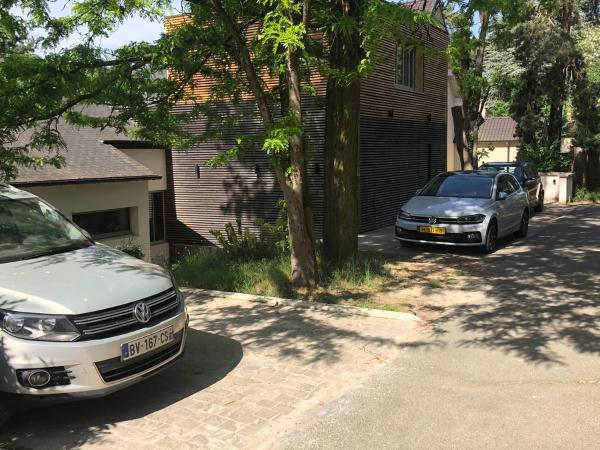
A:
(152, 221)
(417, 69)
(114, 234)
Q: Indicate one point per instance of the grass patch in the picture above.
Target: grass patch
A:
(354, 281)
(587, 196)
(435, 284)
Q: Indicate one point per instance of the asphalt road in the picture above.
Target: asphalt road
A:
(516, 367)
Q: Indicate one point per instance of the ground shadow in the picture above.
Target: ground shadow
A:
(208, 358)
(541, 294)
(297, 333)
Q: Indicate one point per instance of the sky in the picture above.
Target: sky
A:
(135, 29)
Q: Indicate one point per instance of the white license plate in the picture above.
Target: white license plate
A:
(146, 344)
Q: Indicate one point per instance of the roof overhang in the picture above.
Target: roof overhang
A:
(82, 181)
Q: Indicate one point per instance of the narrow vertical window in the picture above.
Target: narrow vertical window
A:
(157, 216)
(406, 67)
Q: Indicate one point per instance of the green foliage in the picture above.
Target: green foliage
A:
(587, 195)
(215, 268)
(359, 272)
(132, 249)
(545, 157)
(243, 244)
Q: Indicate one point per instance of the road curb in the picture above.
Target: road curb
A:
(301, 304)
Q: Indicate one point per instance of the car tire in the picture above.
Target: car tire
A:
(524, 228)
(491, 238)
(6, 413)
(540, 204)
(406, 244)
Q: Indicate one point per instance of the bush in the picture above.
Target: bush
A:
(545, 158)
(132, 249)
(271, 241)
(586, 195)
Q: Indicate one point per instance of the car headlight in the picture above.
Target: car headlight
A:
(475, 218)
(404, 215)
(38, 327)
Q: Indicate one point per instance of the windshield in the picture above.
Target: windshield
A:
(30, 228)
(459, 185)
(517, 171)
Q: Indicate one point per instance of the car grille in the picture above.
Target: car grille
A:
(455, 238)
(425, 219)
(119, 320)
(114, 369)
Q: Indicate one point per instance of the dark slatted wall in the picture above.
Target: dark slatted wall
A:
(197, 204)
(394, 163)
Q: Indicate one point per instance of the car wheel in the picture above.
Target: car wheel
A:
(491, 238)
(524, 228)
(540, 204)
(407, 244)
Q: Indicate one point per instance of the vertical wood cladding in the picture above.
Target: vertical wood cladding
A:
(201, 199)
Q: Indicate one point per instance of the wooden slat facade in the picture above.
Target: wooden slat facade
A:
(402, 144)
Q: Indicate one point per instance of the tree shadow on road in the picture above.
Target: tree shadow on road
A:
(542, 296)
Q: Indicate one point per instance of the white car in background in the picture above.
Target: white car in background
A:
(77, 319)
(468, 208)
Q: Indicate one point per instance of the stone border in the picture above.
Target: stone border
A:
(315, 306)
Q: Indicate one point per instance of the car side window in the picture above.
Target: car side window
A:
(504, 185)
(513, 183)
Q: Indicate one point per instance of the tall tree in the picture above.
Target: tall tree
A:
(471, 23)
(237, 45)
(355, 30)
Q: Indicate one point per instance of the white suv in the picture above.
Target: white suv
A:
(77, 318)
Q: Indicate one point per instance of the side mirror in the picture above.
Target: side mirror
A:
(86, 234)
(418, 191)
(502, 196)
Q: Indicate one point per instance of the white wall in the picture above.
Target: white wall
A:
(155, 160)
(502, 151)
(79, 198)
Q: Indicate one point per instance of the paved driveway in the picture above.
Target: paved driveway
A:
(251, 372)
(514, 363)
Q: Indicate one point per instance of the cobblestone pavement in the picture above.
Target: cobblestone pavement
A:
(251, 372)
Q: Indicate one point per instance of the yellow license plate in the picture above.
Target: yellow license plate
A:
(432, 230)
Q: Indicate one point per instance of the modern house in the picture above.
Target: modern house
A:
(403, 143)
(111, 186)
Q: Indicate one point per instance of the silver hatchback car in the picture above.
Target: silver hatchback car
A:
(468, 208)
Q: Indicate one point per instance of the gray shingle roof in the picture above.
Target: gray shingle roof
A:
(421, 5)
(87, 160)
(498, 129)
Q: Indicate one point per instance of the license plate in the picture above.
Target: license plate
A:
(146, 344)
(432, 230)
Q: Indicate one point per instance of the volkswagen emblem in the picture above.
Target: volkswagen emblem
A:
(432, 220)
(142, 313)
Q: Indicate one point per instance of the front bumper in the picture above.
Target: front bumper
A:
(464, 235)
(88, 362)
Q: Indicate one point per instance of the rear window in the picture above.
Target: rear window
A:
(459, 185)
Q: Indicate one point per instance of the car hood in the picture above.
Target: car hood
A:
(446, 206)
(79, 281)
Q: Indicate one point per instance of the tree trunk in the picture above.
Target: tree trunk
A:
(304, 271)
(341, 211)
(303, 259)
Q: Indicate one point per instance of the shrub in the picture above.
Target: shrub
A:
(586, 195)
(243, 244)
(132, 249)
(545, 158)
